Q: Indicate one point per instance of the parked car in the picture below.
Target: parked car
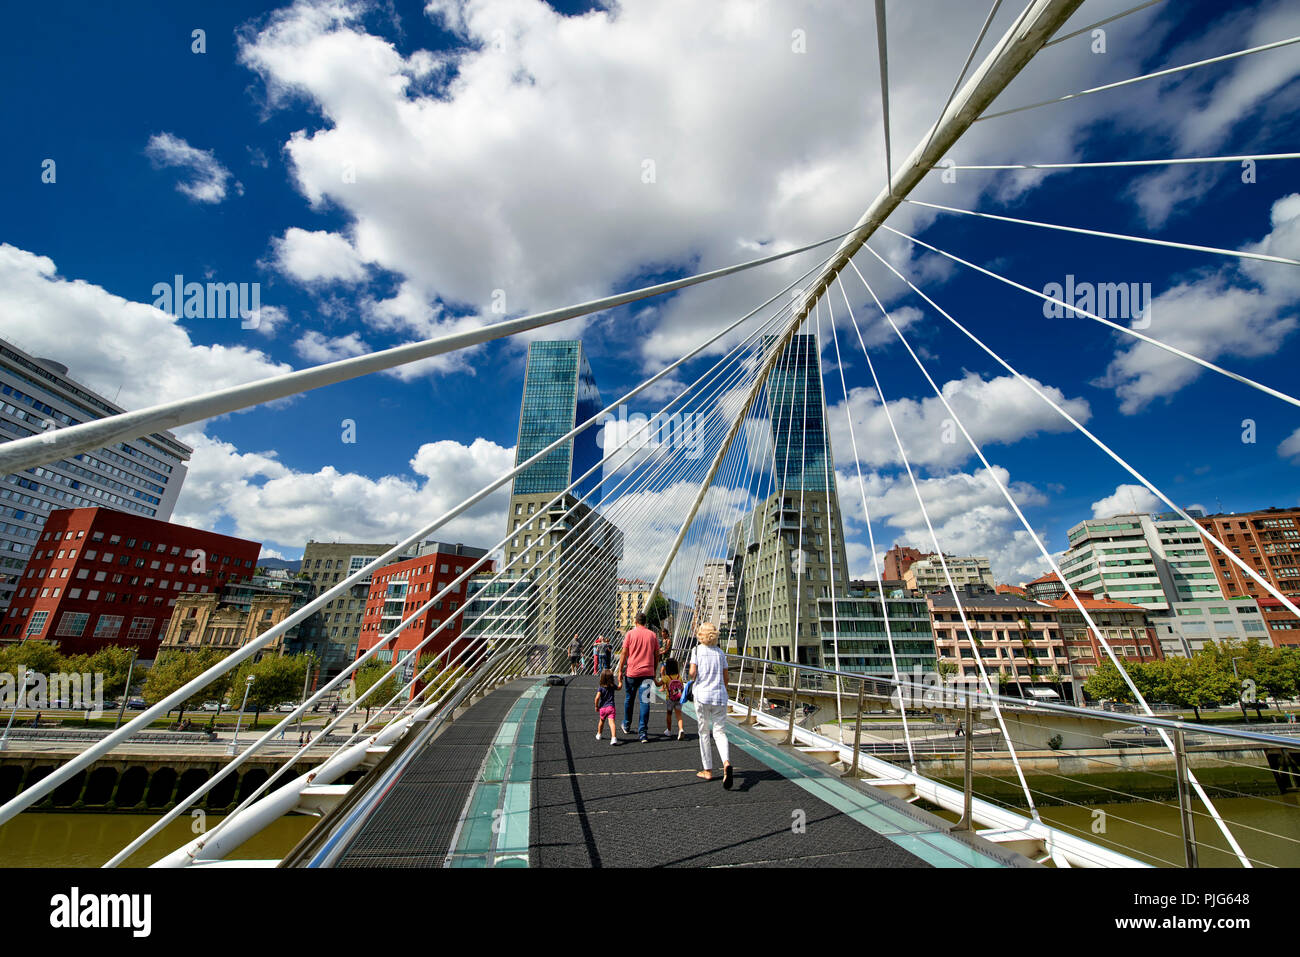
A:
(136, 704)
(210, 706)
(286, 706)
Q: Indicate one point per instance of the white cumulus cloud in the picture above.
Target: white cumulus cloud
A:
(208, 180)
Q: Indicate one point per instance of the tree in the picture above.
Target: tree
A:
(1241, 661)
(440, 678)
(1197, 682)
(1278, 673)
(38, 656)
(1106, 682)
(175, 669)
(369, 676)
(657, 612)
(276, 678)
(112, 661)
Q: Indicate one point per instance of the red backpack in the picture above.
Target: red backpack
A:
(674, 688)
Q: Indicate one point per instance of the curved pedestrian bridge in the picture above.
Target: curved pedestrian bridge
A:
(519, 780)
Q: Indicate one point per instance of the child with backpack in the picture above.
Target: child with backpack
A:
(673, 686)
(605, 705)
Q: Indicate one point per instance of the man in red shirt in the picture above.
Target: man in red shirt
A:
(637, 663)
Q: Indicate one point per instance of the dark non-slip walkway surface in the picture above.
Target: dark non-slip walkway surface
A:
(641, 805)
(415, 823)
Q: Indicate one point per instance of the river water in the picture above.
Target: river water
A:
(49, 839)
(1266, 827)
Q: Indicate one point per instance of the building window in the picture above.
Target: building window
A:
(140, 629)
(37, 624)
(73, 623)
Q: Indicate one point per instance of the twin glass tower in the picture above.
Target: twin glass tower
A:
(783, 554)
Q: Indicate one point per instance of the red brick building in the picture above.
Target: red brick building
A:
(397, 590)
(101, 577)
(899, 559)
(1124, 626)
(1269, 542)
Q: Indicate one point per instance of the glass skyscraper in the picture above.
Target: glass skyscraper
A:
(788, 554)
(559, 393)
(559, 543)
(794, 405)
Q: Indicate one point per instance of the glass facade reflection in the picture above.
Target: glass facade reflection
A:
(559, 392)
(794, 405)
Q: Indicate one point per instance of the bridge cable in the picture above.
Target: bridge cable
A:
(871, 539)
(1100, 23)
(1069, 418)
(1244, 380)
(1138, 79)
(448, 589)
(1239, 253)
(1254, 157)
(943, 562)
(1006, 494)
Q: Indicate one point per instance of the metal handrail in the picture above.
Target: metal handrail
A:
(977, 698)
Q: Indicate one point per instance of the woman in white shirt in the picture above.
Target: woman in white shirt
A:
(709, 691)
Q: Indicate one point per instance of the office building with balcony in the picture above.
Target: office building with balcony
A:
(1125, 627)
(138, 476)
(1268, 541)
(399, 590)
(500, 612)
(1017, 639)
(633, 593)
(1160, 563)
(714, 589)
(857, 631)
(101, 577)
(338, 631)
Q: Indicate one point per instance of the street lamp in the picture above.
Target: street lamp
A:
(126, 693)
(234, 744)
(19, 694)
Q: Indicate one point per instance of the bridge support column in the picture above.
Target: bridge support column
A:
(1184, 800)
(794, 702)
(855, 770)
(967, 822)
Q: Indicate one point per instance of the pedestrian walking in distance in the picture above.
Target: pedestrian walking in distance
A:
(709, 672)
(605, 705)
(575, 654)
(602, 654)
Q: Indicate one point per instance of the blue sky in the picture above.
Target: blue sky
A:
(498, 145)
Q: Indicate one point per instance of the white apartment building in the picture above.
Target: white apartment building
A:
(140, 476)
(1193, 623)
(711, 591)
(1159, 562)
(926, 575)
